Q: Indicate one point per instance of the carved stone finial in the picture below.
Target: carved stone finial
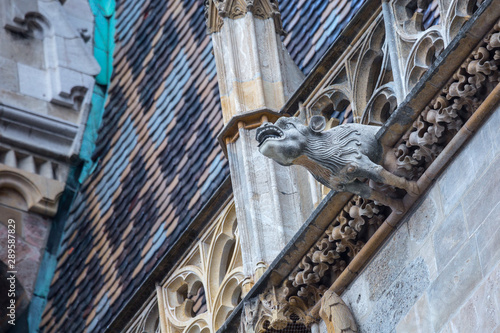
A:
(336, 314)
(216, 10)
(338, 158)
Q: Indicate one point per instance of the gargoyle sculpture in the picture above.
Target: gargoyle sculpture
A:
(341, 158)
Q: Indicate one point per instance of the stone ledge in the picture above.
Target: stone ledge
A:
(41, 134)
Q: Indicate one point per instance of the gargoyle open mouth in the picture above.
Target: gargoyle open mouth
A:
(268, 132)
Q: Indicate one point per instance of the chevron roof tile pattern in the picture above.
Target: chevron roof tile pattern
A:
(158, 158)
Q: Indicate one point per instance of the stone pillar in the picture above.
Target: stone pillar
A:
(256, 76)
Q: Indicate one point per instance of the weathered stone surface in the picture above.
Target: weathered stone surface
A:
(33, 82)
(481, 313)
(451, 189)
(28, 51)
(398, 298)
(453, 285)
(8, 73)
(480, 149)
(23, 102)
(388, 264)
(483, 196)
(418, 319)
(449, 237)
(322, 327)
(266, 198)
(425, 217)
(492, 125)
(7, 213)
(35, 229)
(427, 253)
(488, 240)
(357, 297)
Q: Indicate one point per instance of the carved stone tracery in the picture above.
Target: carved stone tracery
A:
(203, 291)
(356, 81)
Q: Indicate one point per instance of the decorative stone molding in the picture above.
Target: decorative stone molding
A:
(333, 251)
(336, 314)
(32, 164)
(418, 46)
(46, 135)
(340, 158)
(217, 10)
(438, 130)
(148, 321)
(32, 24)
(23, 17)
(43, 114)
(41, 194)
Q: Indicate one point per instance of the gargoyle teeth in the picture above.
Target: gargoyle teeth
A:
(268, 132)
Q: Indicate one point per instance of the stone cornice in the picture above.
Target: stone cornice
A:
(38, 133)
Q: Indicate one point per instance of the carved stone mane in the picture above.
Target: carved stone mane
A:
(334, 149)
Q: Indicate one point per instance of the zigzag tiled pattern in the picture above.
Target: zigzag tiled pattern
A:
(159, 161)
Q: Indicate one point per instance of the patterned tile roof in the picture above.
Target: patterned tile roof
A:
(158, 157)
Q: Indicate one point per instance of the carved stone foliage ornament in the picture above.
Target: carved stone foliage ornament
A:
(270, 312)
(216, 10)
(449, 110)
(331, 254)
(341, 158)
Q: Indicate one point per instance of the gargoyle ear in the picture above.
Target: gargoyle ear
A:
(317, 123)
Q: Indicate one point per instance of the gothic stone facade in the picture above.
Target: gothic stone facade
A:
(428, 263)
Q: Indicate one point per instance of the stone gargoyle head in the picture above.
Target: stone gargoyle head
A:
(287, 139)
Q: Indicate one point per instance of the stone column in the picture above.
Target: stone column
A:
(256, 76)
